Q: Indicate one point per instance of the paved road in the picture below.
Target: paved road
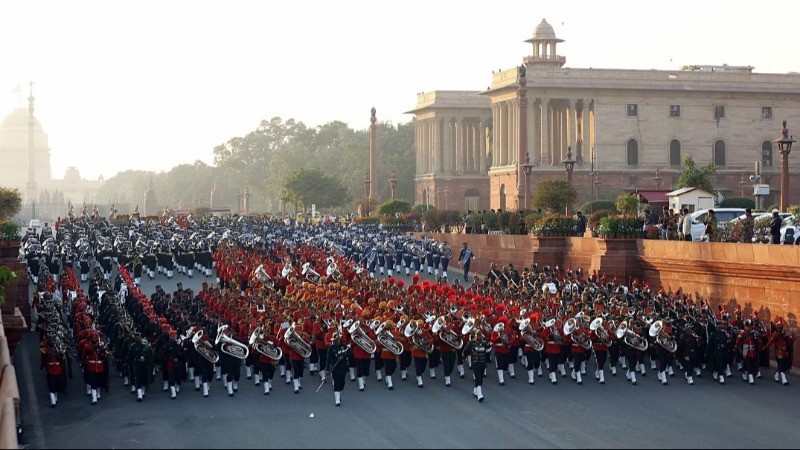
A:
(513, 416)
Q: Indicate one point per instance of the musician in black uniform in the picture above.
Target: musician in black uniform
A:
(478, 350)
(337, 365)
(465, 259)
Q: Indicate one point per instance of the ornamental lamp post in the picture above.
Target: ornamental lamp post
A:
(527, 168)
(569, 164)
(658, 179)
(785, 147)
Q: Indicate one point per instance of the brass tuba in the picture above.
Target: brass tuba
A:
(229, 345)
(449, 337)
(529, 335)
(296, 343)
(412, 331)
(361, 338)
(263, 277)
(600, 331)
(204, 348)
(666, 341)
(631, 338)
(310, 274)
(266, 348)
(573, 330)
(387, 340)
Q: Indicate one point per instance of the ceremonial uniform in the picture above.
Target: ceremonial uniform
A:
(478, 351)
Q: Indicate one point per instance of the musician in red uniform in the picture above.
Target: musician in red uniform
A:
(552, 347)
(298, 360)
(419, 355)
(362, 358)
(265, 366)
(533, 356)
(600, 353)
(748, 342)
(783, 343)
(95, 368)
(56, 367)
(389, 358)
(320, 332)
(500, 343)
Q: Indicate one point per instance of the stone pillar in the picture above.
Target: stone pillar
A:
(582, 151)
(522, 141)
(544, 126)
(453, 141)
(373, 156)
(464, 144)
(445, 127)
(535, 123)
(459, 125)
(482, 147)
(503, 134)
(513, 125)
(495, 135)
(417, 146)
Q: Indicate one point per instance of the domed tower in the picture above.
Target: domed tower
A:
(150, 206)
(544, 42)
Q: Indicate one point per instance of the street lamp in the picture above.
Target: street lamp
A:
(785, 147)
(569, 164)
(393, 183)
(527, 168)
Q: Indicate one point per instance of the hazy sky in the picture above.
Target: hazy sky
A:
(152, 84)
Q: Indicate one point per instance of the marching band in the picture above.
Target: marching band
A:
(331, 300)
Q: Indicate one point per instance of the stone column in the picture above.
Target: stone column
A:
(434, 144)
(544, 126)
(459, 166)
(417, 146)
(453, 141)
(504, 134)
(464, 145)
(469, 165)
(482, 147)
(535, 123)
(373, 157)
(584, 112)
(522, 141)
(445, 127)
(512, 132)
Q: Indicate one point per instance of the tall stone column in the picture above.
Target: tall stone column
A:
(522, 141)
(31, 187)
(564, 131)
(544, 126)
(582, 133)
(495, 135)
(482, 147)
(535, 147)
(464, 144)
(443, 140)
(459, 125)
(453, 141)
(373, 155)
(503, 134)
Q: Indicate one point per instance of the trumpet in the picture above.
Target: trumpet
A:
(310, 274)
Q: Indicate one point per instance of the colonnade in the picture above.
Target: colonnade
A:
(451, 145)
(553, 125)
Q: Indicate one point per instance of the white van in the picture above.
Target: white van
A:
(699, 219)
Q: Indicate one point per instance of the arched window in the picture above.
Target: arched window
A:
(719, 153)
(766, 154)
(503, 197)
(674, 152)
(633, 152)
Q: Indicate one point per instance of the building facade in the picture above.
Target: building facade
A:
(624, 129)
(51, 195)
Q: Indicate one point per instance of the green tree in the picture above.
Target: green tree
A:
(312, 186)
(10, 202)
(692, 176)
(627, 204)
(553, 195)
(393, 207)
